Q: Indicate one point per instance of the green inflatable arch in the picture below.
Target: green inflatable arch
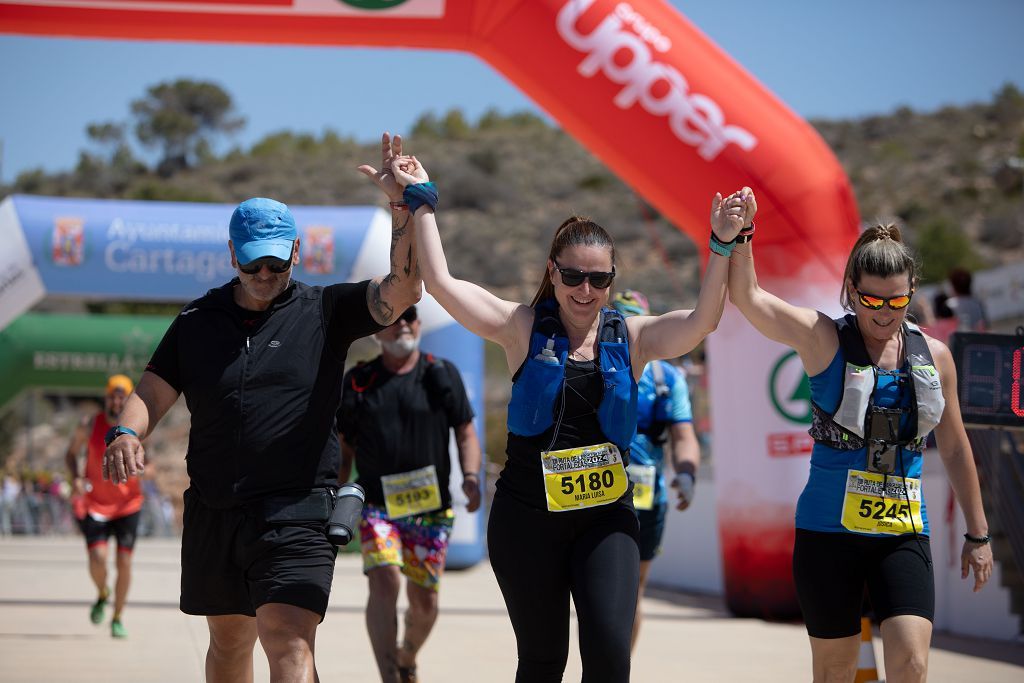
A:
(74, 352)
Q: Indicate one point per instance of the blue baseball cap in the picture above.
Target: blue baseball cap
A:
(262, 227)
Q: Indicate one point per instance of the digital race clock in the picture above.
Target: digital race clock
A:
(988, 373)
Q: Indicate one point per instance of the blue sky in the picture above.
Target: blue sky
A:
(824, 58)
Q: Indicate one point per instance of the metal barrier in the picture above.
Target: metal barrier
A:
(1000, 457)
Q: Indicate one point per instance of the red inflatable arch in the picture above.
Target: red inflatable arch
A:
(663, 107)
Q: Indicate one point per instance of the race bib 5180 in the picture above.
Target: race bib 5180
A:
(577, 478)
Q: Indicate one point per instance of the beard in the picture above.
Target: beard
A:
(401, 347)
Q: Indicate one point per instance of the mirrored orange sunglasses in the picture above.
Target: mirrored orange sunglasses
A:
(875, 303)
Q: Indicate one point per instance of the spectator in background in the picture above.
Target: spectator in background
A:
(969, 311)
(945, 321)
(8, 499)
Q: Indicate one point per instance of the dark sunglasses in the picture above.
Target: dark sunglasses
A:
(274, 265)
(573, 278)
(408, 315)
(875, 303)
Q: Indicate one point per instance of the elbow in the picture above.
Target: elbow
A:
(416, 292)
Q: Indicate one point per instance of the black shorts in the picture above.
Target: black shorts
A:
(233, 562)
(831, 571)
(652, 528)
(97, 532)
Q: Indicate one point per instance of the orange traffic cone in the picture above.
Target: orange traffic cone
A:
(867, 671)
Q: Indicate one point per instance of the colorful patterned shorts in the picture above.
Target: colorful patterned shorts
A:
(417, 544)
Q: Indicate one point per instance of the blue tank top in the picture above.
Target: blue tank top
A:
(820, 505)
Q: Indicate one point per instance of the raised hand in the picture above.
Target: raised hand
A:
(750, 206)
(729, 215)
(408, 170)
(390, 149)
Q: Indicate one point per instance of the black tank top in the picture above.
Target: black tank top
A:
(522, 477)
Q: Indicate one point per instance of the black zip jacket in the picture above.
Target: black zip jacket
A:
(263, 387)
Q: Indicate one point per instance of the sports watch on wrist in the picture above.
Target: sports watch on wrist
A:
(117, 431)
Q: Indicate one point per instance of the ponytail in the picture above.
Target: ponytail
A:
(881, 252)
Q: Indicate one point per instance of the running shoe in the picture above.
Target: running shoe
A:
(117, 629)
(96, 611)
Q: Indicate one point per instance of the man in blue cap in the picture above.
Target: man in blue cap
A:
(260, 361)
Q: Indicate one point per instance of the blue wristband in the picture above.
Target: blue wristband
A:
(721, 248)
(117, 431)
(419, 194)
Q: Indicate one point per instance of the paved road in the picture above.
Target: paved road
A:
(45, 633)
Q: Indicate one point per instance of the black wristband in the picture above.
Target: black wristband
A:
(746, 234)
(980, 540)
(719, 240)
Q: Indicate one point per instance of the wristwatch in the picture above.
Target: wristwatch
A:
(117, 431)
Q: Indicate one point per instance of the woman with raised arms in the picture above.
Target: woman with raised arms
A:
(562, 522)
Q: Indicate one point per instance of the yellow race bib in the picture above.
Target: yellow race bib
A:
(411, 493)
(577, 478)
(643, 478)
(870, 510)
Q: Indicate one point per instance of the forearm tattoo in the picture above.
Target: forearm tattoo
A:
(380, 309)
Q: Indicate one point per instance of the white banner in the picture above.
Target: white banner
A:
(21, 287)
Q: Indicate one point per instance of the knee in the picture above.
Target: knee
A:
(423, 600)
(124, 561)
(836, 671)
(232, 642)
(98, 555)
(286, 632)
(912, 666)
(385, 583)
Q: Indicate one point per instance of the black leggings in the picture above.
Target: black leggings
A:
(539, 558)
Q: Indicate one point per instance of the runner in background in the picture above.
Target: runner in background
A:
(103, 508)
(663, 416)
(396, 415)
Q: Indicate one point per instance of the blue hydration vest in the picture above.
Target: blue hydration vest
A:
(539, 381)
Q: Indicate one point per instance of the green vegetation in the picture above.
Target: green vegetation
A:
(952, 177)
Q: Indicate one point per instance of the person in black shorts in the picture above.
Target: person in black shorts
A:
(879, 386)
(103, 508)
(260, 362)
(562, 523)
(396, 414)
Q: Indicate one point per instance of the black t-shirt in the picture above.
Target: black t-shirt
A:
(263, 387)
(400, 423)
(522, 477)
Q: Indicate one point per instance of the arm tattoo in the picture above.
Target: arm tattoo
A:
(408, 262)
(381, 310)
